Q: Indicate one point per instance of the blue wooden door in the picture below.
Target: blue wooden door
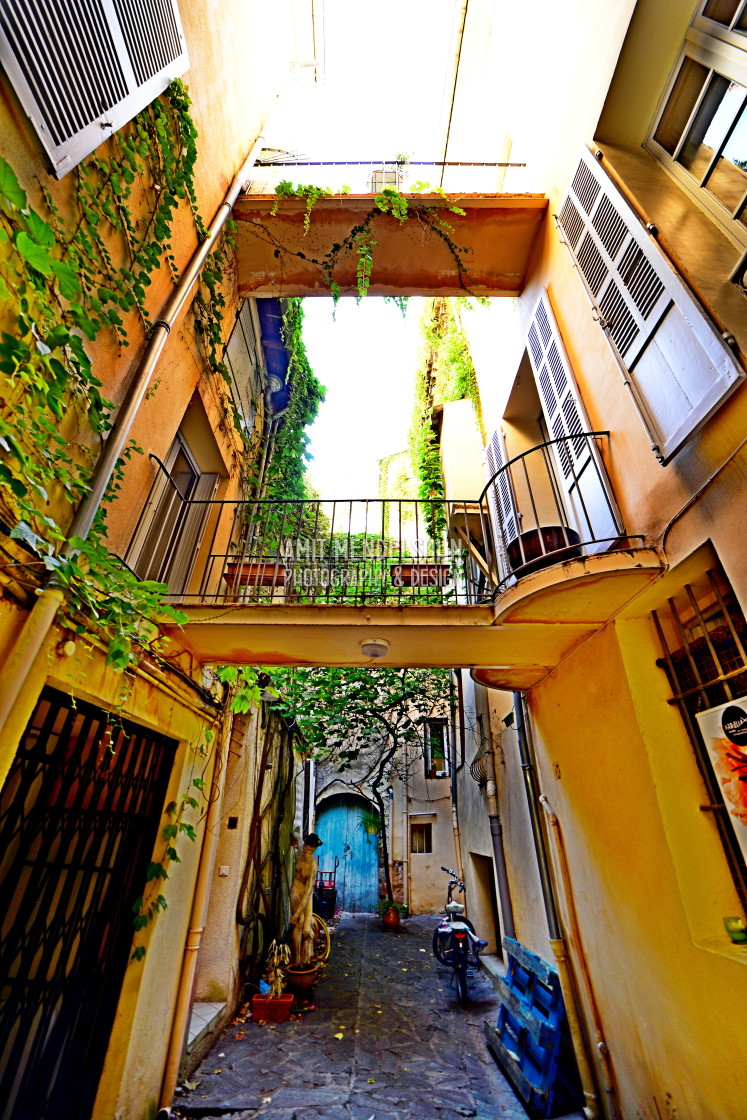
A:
(357, 879)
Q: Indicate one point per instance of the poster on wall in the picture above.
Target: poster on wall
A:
(725, 732)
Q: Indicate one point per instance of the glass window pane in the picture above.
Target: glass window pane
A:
(728, 180)
(687, 87)
(722, 11)
(716, 113)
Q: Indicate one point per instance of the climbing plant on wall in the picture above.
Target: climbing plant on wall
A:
(67, 277)
(445, 373)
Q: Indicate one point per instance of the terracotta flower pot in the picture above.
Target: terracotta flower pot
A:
(390, 918)
(272, 1010)
(300, 977)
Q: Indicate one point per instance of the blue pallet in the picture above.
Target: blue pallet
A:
(531, 1039)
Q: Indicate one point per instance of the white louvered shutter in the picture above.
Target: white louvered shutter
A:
(681, 369)
(501, 498)
(83, 68)
(242, 360)
(589, 506)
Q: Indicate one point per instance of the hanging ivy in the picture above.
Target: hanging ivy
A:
(446, 373)
(62, 287)
(360, 240)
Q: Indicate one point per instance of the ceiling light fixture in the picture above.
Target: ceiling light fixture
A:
(374, 647)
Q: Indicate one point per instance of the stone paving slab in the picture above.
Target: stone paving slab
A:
(408, 1051)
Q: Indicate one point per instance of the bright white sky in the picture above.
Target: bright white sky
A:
(366, 359)
(387, 88)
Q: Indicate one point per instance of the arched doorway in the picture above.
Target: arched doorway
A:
(357, 853)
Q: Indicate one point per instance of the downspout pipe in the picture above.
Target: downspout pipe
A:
(499, 856)
(454, 800)
(40, 619)
(557, 941)
(197, 918)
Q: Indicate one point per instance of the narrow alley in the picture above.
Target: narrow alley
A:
(387, 1040)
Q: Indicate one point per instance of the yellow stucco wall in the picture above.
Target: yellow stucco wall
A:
(647, 876)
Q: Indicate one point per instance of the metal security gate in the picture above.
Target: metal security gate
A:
(79, 814)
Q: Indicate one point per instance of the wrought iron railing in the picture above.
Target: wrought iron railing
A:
(550, 504)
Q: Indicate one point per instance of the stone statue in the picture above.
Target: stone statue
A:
(302, 901)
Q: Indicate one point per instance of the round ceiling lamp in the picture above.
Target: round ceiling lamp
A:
(374, 647)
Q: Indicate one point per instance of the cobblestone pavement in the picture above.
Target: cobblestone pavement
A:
(387, 1041)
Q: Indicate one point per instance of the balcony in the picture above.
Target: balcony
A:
(480, 583)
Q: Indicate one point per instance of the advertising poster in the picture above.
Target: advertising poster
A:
(724, 730)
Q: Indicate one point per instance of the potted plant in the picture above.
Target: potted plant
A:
(273, 1006)
(369, 822)
(391, 912)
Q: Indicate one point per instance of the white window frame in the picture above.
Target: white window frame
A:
(724, 51)
(41, 55)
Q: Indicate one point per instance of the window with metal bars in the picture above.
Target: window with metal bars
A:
(83, 69)
(703, 634)
(421, 838)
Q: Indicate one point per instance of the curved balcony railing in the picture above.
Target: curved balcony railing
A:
(548, 504)
(551, 503)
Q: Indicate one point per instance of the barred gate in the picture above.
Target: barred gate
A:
(79, 814)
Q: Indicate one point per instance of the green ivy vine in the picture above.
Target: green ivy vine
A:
(360, 239)
(62, 287)
(446, 373)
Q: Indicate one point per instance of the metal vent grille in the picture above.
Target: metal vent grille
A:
(621, 324)
(66, 54)
(547, 394)
(544, 326)
(640, 279)
(585, 187)
(592, 264)
(609, 225)
(151, 35)
(571, 222)
(535, 344)
(559, 375)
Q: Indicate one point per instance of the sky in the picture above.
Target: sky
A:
(366, 359)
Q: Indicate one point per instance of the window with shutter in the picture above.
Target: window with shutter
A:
(83, 68)
(679, 369)
(589, 506)
(242, 357)
(500, 494)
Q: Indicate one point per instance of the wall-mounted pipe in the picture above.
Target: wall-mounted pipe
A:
(453, 712)
(557, 942)
(198, 914)
(40, 619)
(496, 836)
(570, 907)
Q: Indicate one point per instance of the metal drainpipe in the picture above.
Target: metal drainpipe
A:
(406, 870)
(200, 901)
(557, 941)
(499, 856)
(570, 905)
(40, 619)
(454, 768)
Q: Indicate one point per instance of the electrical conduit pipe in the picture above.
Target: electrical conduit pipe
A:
(40, 619)
(557, 941)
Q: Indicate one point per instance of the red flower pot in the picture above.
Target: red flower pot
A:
(272, 1010)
